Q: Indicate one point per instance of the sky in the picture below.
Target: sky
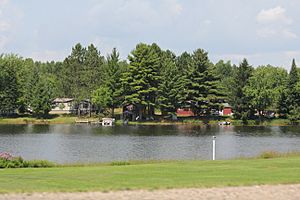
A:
(263, 31)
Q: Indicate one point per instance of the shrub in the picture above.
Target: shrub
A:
(38, 164)
(269, 154)
(119, 163)
(8, 161)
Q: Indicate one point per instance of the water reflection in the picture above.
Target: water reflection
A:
(93, 143)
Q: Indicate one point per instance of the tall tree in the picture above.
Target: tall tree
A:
(43, 95)
(142, 78)
(225, 72)
(264, 87)
(293, 93)
(113, 72)
(240, 102)
(202, 84)
(171, 87)
(102, 98)
(73, 67)
(9, 91)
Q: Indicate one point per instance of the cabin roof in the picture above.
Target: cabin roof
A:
(63, 100)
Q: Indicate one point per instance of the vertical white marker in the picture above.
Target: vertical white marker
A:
(214, 148)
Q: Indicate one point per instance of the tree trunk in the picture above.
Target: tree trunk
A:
(113, 111)
(90, 108)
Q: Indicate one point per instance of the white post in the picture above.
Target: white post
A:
(214, 148)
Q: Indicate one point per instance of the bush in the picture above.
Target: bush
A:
(8, 161)
(119, 163)
(38, 164)
(269, 154)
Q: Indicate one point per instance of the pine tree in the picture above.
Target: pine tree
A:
(293, 93)
(171, 87)
(141, 80)
(72, 73)
(9, 92)
(240, 102)
(202, 84)
(43, 95)
(113, 72)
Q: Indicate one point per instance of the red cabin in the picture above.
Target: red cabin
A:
(227, 110)
(185, 112)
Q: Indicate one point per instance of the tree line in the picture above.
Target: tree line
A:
(151, 78)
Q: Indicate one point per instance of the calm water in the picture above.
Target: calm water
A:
(92, 143)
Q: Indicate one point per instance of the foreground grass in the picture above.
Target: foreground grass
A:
(181, 174)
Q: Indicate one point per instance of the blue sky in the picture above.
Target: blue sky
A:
(264, 31)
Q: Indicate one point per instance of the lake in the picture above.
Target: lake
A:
(93, 143)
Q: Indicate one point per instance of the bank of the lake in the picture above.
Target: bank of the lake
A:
(162, 175)
(73, 119)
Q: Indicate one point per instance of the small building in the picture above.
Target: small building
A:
(185, 112)
(108, 121)
(63, 106)
(69, 106)
(227, 110)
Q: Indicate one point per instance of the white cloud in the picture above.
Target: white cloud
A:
(268, 32)
(277, 14)
(275, 23)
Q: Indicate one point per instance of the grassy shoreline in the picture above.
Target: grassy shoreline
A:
(73, 119)
(156, 175)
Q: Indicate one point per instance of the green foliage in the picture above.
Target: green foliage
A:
(265, 87)
(141, 80)
(18, 162)
(171, 87)
(240, 102)
(203, 91)
(293, 94)
(225, 72)
(154, 79)
(82, 72)
(102, 98)
(113, 72)
(9, 86)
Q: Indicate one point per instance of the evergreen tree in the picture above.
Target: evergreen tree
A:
(203, 91)
(92, 74)
(113, 72)
(171, 87)
(293, 92)
(43, 95)
(9, 92)
(72, 73)
(239, 101)
(141, 80)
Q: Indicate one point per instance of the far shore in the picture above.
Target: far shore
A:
(55, 119)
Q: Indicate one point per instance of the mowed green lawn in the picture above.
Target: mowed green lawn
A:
(181, 174)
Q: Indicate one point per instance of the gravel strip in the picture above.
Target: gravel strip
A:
(265, 192)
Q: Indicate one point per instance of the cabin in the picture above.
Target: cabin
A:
(184, 112)
(69, 106)
(63, 106)
(227, 110)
